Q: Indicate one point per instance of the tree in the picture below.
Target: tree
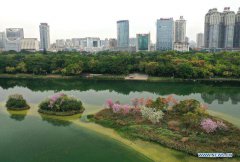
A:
(151, 68)
(21, 67)
(73, 69)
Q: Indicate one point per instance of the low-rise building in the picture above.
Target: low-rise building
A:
(29, 44)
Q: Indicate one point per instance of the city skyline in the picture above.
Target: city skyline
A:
(67, 20)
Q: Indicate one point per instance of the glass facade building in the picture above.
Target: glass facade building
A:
(165, 34)
(44, 36)
(123, 33)
(143, 42)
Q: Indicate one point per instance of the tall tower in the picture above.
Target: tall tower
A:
(206, 30)
(229, 23)
(214, 26)
(180, 30)
(44, 36)
(237, 30)
(123, 34)
(165, 34)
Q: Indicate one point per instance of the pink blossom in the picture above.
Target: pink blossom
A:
(116, 108)
(109, 103)
(126, 109)
(208, 125)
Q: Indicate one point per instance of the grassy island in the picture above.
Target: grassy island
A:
(17, 102)
(181, 125)
(61, 105)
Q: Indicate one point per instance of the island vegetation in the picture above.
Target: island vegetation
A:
(17, 102)
(160, 64)
(181, 125)
(61, 105)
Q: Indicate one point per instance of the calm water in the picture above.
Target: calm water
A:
(31, 137)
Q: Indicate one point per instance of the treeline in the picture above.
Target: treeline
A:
(167, 64)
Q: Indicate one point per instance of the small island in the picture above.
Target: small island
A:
(181, 125)
(61, 105)
(17, 102)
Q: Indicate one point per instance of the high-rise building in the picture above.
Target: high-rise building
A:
(236, 43)
(14, 33)
(165, 34)
(13, 38)
(123, 34)
(44, 36)
(180, 40)
(229, 23)
(29, 44)
(180, 30)
(214, 26)
(219, 29)
(200, 40)
(2, 41)
(143, 42)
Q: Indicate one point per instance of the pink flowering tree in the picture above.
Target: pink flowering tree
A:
(208, 125)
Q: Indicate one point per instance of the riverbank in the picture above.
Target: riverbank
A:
(117, 77)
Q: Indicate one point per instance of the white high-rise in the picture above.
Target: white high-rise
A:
(44, 36)
(180, 30)
(200, 40)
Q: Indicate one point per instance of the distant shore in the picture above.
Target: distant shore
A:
(135, 77)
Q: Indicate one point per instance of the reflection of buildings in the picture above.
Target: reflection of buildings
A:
(220, 97)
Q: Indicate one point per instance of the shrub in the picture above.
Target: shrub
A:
(174, 125)
(151, 114)
(61, 103)
(221, 125)
(186, 106)
(16, 101)
(162, 103)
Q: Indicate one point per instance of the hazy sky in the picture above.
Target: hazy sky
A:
(97, 18)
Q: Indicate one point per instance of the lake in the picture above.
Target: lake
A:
(29, 136)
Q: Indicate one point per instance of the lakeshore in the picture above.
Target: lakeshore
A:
(134, 76)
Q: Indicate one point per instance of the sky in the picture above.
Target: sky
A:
(97, 18)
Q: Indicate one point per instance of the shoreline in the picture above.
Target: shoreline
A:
(116, 77)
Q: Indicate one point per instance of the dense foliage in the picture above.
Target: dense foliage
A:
(182, 125)
(168, 64)
(61, 103)
(16, 102)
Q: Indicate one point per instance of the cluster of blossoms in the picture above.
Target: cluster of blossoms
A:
(138, 106)
(210, 126)
(16, 97)
(53, 99)
(139, 102)
(151, 114)
(117, 107)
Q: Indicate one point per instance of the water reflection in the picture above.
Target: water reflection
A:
(55, 121)
(209, 91)
(18, 115)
